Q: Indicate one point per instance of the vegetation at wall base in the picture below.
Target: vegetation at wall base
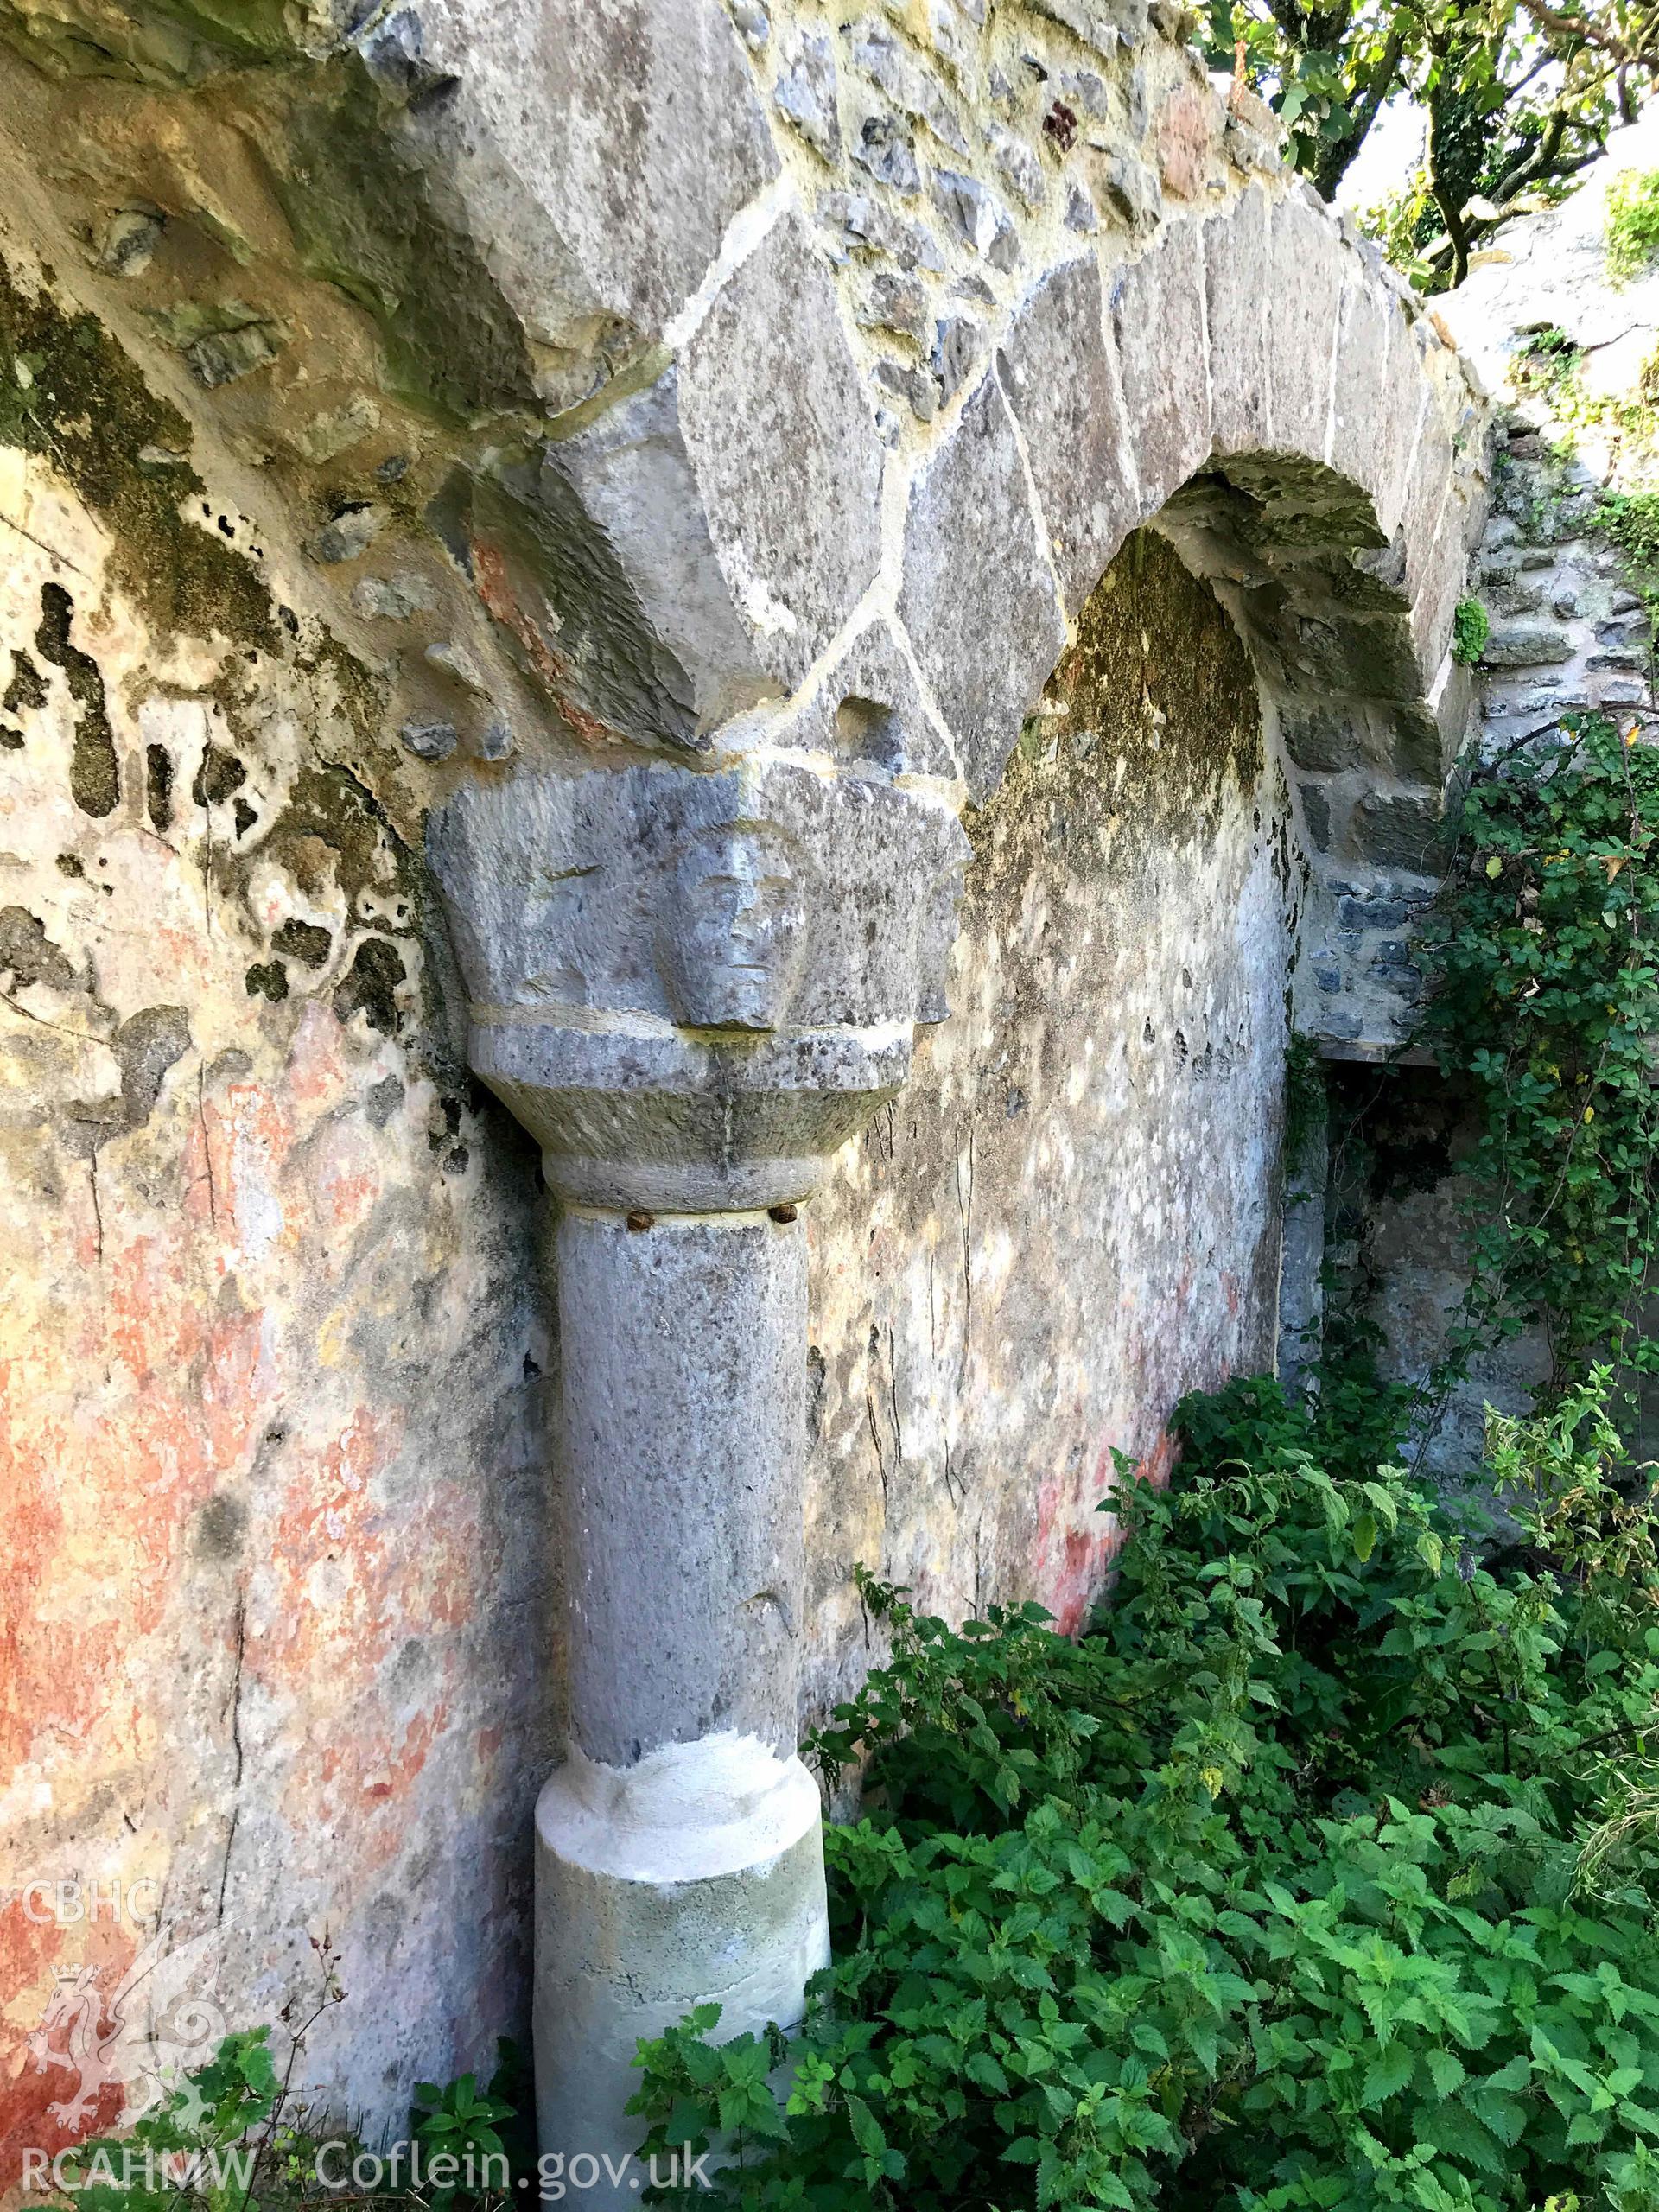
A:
(234, 2136)
(1321, 1873)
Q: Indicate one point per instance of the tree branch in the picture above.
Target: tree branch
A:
(1591, 34)
(1445, 200)
(1338, 158)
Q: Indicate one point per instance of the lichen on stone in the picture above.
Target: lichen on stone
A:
(70, 394)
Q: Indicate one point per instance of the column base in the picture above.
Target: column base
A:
(695, 1876)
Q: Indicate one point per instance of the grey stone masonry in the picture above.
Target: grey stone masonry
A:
(708, 424)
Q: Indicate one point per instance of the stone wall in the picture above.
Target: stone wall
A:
(1568, 635)
(596, 429)
(1071, 1216)
(273, 1344)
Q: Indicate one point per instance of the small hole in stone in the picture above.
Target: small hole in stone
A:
(865, 730)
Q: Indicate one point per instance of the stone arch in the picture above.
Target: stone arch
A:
(1256, 386)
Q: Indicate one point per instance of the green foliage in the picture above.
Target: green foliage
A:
(1549, 366)
(1548, 995)
(463, 2120)
(1273, 1891)
(1518, 97)
(1471, 627)
(187, 2145)
(1632, 223)
(1631, 520)
(1548, 357)
(1304, 1095)
(231, 2136)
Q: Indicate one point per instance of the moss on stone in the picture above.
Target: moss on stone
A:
(362, 222)
(1154, 701)
(69, 393)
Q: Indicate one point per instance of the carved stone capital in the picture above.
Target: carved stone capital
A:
(692, 988)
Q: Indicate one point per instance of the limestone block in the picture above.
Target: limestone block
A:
(635, 482)
(1426, 489)
(1416, 746)
(1373, 410)
(1440, 580)
(1370, 657)
(1526, 644)
(597, 154)
(1157, 309)
(805, 93)
(693, 989)
(1304, 290)
(570, 610)
(977, 217)
(1397, 829)
(760, 898)
(1330, 737)
(1102, 24)
(1062, 383)
(784, 445)
(870, 710)
(1234, 255)
(978, 599)
(1306, 507)
(631, 1116)
(681, 1479)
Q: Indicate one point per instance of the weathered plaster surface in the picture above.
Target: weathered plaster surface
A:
(271, 1353)
(1069, 1217)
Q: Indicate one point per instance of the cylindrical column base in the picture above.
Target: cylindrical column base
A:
(695, 1876)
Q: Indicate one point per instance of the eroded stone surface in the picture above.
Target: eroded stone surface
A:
(652, 891)
(1157, 312)
(599, 152)
(1304, 295)
(1061, 1224)
(1062, 382)
(979, 601)
(1236, 302)
(786, 453)
(869, 709)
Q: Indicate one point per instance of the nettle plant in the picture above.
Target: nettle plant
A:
(1547, 1005)
(1324, 1870)
(1320, 1872)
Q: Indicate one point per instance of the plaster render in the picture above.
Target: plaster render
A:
(1070, 1215)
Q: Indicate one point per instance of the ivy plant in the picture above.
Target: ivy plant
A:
(1632, 235)
(1471, 627)
(1546, 1003)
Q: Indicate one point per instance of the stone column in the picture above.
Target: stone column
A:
(678, 1850)
(691, 989)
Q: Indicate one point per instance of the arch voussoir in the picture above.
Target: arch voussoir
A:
(1157, 327)
(1063, 385)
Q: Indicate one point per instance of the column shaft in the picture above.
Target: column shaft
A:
(679, 1852)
